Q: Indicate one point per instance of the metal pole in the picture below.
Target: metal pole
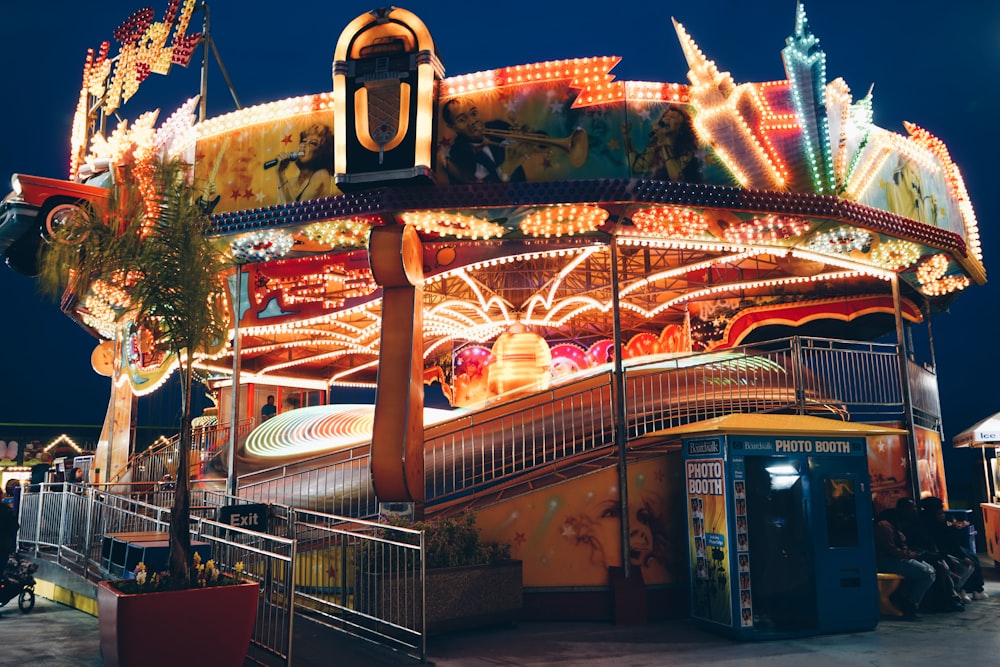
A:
(621, 427)
(205, 40)
(904, 378)
(234, 413)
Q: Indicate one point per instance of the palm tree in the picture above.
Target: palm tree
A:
(149, 240)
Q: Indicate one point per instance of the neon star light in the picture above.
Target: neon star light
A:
(805, 64)
(722, 120)
(143, 50)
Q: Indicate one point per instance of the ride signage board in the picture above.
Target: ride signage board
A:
(252, 516)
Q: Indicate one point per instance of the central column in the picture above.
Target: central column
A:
(397, 457)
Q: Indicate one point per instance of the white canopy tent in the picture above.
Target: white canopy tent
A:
(983, 434)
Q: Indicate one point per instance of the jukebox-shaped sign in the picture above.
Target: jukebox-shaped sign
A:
(385, 73)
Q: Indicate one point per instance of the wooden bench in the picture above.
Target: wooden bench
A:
(887, 585)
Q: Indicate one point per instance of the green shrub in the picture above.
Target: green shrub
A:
(452, 541)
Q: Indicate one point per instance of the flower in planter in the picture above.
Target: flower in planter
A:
(201, 576)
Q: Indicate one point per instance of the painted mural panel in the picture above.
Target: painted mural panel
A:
(539, 132)
(930, 464)
(570, 534)
(289, 159)
(912, 185)
(708, 546)
(888, 461)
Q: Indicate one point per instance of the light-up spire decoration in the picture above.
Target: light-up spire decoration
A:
(730, 118)
(805, 65)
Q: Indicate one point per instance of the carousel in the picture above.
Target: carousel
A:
(491, 236)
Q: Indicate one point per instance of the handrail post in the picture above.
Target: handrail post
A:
(798, 375)
(88, 530)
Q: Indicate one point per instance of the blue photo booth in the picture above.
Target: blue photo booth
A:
(779, 513)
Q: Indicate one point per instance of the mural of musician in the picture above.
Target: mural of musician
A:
(502, 151)
(312, 177)
(472, 157)
(671, 153)
(237, 168)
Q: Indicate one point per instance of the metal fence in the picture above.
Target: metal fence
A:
(837, 378)
(307, 483)
(83, 529)
(207, 443)
(362, 578)
(486, 447)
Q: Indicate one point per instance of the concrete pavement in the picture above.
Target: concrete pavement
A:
(55, 635)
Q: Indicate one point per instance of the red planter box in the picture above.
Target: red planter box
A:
(198, 626)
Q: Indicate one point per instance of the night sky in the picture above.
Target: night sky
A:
(935, 64)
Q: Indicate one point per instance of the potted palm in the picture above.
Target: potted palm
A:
(148, 242)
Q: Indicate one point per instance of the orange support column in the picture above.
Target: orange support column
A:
(397, 457)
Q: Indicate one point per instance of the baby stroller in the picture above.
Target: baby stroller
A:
(17, 582)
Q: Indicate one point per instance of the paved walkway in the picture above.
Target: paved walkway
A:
(57, 635)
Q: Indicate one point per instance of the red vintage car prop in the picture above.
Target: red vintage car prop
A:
(36, 208)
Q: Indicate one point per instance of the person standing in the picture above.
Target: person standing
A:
(8, 532)
(269, 409)
(40, 471)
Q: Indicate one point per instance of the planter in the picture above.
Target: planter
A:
(197, 626)
(456, 598)
(459, 598)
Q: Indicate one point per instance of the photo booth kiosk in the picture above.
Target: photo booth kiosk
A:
(780, 535)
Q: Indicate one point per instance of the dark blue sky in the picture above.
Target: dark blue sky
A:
(935, 64)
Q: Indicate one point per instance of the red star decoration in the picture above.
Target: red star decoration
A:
(519, 538)
(248, 193)
(659, 476)
(235, 194)
(287, 139)
(331, 572)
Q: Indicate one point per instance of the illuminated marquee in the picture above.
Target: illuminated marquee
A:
(143, 50)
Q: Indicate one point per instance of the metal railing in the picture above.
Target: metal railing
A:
(362, 578)
(306, 483)
(837, 378)
(150, 465)
(358, 577)
(486, 447)
(76, 525)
